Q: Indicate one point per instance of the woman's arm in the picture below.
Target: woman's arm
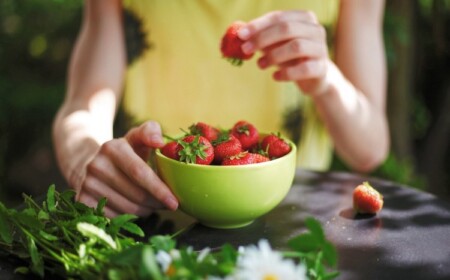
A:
(95, 164)
(96, 69)
(349, 95)
(353, 106)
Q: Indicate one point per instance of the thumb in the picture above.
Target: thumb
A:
(145, 137)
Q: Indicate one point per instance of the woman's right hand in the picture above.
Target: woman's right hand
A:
(119, 172)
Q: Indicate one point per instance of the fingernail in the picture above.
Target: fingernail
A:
(277, 75)
(248, 47)
(244, 33)
(171, 203)
(262, 62)
(157, 139)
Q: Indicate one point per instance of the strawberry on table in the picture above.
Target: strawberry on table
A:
(196, 149)
(226, 146)
(366, 199)
(231, 45)
(247, 134)
(244, 158)
(275, 146)
(209, 132)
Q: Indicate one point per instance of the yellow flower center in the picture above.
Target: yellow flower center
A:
(270, 277)
(170, 270)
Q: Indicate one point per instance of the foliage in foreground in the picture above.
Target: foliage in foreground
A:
(66, 238)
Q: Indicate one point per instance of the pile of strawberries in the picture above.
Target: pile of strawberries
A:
(240, 145)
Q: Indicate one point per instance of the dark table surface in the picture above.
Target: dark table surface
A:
(408, 239)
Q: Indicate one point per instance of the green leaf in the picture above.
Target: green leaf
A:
(315, 228)
(128, 256)
(48, 236)
(5, 226)
(330, 275)
(229, 253)
(133, 228)
(37, 264)
(118, 222)
(28, 218)
(101, 206)
(149, 268)
(68, 195)
(330, 253)
(22, 270)
(43, 216)
(162, 242)
(305, 242)
(82, 208)
(88, 218)
(122, 219)
(51, 205)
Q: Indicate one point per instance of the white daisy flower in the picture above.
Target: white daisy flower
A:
(262, 263)
(164, 259)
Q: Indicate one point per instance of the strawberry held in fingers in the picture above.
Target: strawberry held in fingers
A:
(244, 158)
(275, 146)
(231, 45)
(196, 149)
(247, 134)
(367, 200)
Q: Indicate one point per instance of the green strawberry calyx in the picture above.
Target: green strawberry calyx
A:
(235, 61)
(192, 150)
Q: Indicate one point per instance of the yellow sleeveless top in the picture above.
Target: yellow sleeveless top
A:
(182, 78)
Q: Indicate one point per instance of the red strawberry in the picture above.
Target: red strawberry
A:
(226, 146)
(275, 146)
(196, 149)
(231, 45)
(171, 150)
(367, 200)
(209, 132)
(244, 158)
(247, 134)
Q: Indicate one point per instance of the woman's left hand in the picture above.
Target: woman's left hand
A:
(295, 42)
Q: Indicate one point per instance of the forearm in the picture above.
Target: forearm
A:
(353, 106)
(358, 127)
(79, 132)
(95, 79)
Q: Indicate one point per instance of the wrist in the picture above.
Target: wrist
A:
(320, 86)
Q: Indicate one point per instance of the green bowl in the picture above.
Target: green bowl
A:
(228, 196)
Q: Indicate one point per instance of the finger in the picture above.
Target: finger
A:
(257, 25)
(110, 213)
(285, 31)
(102, 168)
(148, 135)
(140, 173)
(115, 201)
(294, 49)
(88, 199)
(302, 70)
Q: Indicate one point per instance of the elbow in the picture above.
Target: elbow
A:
(373, 153)
(372, 159)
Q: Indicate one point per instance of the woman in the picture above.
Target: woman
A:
(181, 79)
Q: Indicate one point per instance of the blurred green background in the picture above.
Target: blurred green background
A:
(36, 38)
